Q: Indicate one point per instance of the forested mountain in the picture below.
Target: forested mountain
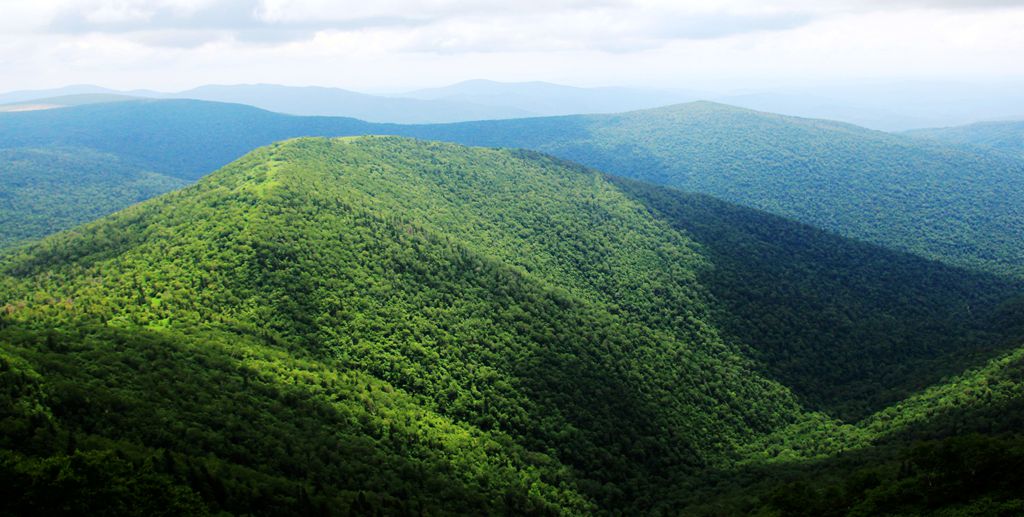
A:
(379, 324)
(850, 327)
(43, 191)
(938, 201)
(426, 280)
(1007, 136)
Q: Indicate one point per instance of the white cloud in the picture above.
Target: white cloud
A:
(389, 44)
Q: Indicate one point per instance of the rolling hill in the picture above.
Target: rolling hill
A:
(1007, 137)
(938, 201)
(384, 324)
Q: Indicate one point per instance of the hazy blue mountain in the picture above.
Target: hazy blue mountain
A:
(314, 101)
(65, 101)
(338, 102)
(78, 89)
(543, 99)
(892, 106)
(181, 138)
(889, 106)
(1003, 136)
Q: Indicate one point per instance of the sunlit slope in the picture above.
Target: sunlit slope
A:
(527, 302)
(949, 203)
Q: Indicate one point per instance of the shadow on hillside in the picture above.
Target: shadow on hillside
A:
(851, 327)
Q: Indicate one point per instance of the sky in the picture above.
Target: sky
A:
(397, 45)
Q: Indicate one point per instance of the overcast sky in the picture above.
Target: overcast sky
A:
(394, 45)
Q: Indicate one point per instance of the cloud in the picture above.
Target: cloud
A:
(392, 44)
(443, 26)
(183, 25)
(952, 4)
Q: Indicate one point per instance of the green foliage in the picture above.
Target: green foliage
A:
(43, 191)
(953, 204)
(1006, 137)
(517, 296)
(383, 325)
(226, 423)
(850, 327)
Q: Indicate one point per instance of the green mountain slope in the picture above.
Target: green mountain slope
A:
(939, 202)
(521, 300)
(1007, 137)
(43, 191)
(949, 203)
(850, 327)
(383, 324)
(953, 449)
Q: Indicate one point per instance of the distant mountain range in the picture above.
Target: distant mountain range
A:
(1007, 137)
(471, 100)
(956, 204)
(885, 106)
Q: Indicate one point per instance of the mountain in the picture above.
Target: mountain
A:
(887, 106)
(948, 203)
(1007, 137)
(470, 100)
(410, 319)
(181, 138)
(891, 106)
(43, 191)
(338, 102)
(850, 327)
(942, 202)
(546, 99)
(379, 324)
(64, 101)
(312, 101)
(23, 96)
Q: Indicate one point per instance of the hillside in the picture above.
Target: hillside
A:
(385, 324)
(941, 202)
(850, 327)
(43, 191)
(424, 280)
(954, 449)
(1007, 137)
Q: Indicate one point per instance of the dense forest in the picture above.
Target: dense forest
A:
(391, 326)
(43, 191)
(954, 203)
(1007, 137)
